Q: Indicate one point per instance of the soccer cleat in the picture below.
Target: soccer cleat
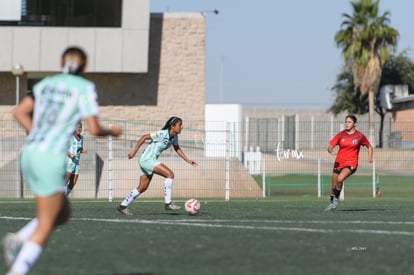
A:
(329, 207)
(11, 245)
(333, 205)
(123, 210)
(172, 206)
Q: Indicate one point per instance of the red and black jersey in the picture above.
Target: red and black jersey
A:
(349, 145)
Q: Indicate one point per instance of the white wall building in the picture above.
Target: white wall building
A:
(122, 49)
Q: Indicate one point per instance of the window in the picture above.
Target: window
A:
(70, 13)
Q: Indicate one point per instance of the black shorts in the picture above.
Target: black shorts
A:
(338, 170)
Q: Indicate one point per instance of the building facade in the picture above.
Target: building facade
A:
(145, 66)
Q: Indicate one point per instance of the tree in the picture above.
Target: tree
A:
(365, 39)
(346, 99)
(398, 70)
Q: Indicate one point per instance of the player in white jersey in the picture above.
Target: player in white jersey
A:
(57, 103)
(75, 149)
(149, 163)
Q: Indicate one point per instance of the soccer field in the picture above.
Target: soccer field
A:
(278, 236)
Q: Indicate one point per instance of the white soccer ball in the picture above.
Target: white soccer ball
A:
(192, 207)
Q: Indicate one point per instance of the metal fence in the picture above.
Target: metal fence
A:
(234, 158)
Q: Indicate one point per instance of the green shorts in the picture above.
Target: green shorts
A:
(44, 172)
(146, 166)
(72, 166)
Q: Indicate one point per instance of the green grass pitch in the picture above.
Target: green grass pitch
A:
(281, 235)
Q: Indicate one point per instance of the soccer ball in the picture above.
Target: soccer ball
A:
(192, 207)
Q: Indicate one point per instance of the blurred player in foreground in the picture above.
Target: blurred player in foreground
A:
(57, 103)
(349, 141)
(149, 163)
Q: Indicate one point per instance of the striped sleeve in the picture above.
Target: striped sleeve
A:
(88, 102)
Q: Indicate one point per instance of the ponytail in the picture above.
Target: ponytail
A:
(74, 60)
(171, 122)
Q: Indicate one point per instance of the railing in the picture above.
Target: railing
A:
(227, 169)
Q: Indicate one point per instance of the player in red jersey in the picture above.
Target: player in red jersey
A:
(349, 141)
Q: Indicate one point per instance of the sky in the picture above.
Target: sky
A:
(278, 53)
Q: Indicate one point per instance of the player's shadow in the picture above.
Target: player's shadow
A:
(360, 209)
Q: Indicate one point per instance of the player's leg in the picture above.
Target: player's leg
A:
(144, 182)
(166, 172)
(73, 178)
(332, 201)
(70, 170)
(336, 187)
(341, 177)
(338, 178)
(49, 213)
(69, 184)
(73, 181)
(334, 183)
(68, 176)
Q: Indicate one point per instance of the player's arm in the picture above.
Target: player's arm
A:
(23, 113)
(96, 129)
(331, 150)
(139, 144)
(183, 156)
(370, 153)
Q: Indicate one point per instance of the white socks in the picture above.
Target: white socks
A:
(27, 257)
(167, 190)
(26, 231)
(135, 194)
(131, 197)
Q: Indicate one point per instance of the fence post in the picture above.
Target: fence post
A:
(296, 131)
(227, 184)
(264, 178)
(312, 132)
(19, 189)
(342, 195)
(374, 188)
(110, 166)
(319, 178)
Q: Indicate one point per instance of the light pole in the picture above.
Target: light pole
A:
(215, 11)
(18, 70)
(221, 79)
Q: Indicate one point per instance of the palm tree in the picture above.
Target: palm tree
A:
(365, 39)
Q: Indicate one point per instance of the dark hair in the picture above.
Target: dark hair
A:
(171, 122)
(70, 66)
(354, 118)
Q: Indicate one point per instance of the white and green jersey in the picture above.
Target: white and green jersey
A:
(61, 101)
(160, 141)
(75, 147)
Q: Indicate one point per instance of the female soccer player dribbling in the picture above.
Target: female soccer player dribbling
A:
(150, 165)
(58, 103)
(349, 141)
